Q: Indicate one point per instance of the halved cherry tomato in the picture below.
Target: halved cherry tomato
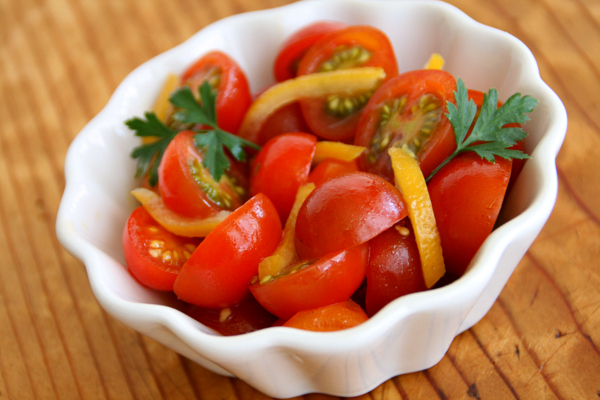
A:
(292, 50)
(308, 285)
(394, 268)
(331, 168)
(334, 317)
(345, 212)
(233, 92)
(243, 317)
(187, 187)
(466, 195)
(285, 120)
(219, 271)
(154, 256)
(408, 110)
(336, 117)
(287, 157)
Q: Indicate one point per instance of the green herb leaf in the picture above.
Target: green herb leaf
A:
(149, 155)
(489, 127)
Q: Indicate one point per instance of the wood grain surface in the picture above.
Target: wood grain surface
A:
(60, 60)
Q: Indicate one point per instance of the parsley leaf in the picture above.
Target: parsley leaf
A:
(489, 127)
(210, 140)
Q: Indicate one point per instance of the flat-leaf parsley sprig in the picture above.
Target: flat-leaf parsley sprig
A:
(210, 140)
(489, 128)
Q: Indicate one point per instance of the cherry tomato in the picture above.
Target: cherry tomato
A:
(187, 187)
(334, 317)
(331, 168)
(517, 163)
(219, 271)
(233, 92)
(309, 285)
(154, 255)
(345, 212)
(408, 110)
(292, 50)
(466, 195)
(394, 267)
(336, 117)
(285, 120)
(243, 317)
(286, 157)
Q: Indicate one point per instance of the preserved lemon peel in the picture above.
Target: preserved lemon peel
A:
(322, 84)
(285, 253)
(436, 61)
(411, 182)
(162, 106)
(173, 222)
(338, 150)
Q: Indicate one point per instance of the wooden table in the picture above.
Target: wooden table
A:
(59, 62)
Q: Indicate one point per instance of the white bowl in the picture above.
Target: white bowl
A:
(410, 334)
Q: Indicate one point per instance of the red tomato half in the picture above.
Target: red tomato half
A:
(336, 117)
(219, 271)
(466, 195)
(345, 212)
(154, 255)
(233, 92)
(243, 317)
(292, 50)
(394, 267)
(409, 109)
(187, 187)
(308, 285)
(334, 317)
(285, 120)
(281, 167)
(331, 168)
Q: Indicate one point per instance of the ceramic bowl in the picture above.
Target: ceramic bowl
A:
(410, 334)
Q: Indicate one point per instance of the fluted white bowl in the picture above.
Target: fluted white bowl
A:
(410, 334)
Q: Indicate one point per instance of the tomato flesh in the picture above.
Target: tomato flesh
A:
(334, 317)
(218, 273)
(331, 168)
(408, 111)
(154, 256)
(309, 285)
(466, 195)
(345, 212)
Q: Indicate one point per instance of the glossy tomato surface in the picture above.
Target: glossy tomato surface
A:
(281, 167)
(466, 195)
(292, 50)
(219, 271)
(309, 285)
(287, 119)
(187, 188)
(334, 317)
(336, 117)
(230, 82)
(345, 212)
(153, 255)
(394, 268)
(331, 168)
(408, 110)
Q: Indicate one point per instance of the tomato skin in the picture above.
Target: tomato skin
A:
(345, 212)
(334, 317)
(328, 126)
(287, 157)
(413, 84)
(233, 91)
(178, 188)
(292, 50)
(243, 317)
(329, 280)
(466, 195)
(137, 238)
(394, 268)
(331, 168)
(219, 271)
(285, 120)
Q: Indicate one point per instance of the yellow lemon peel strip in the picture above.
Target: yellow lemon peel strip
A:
(175, 223)
(436, 61)
(411, 182)
(337, 150)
